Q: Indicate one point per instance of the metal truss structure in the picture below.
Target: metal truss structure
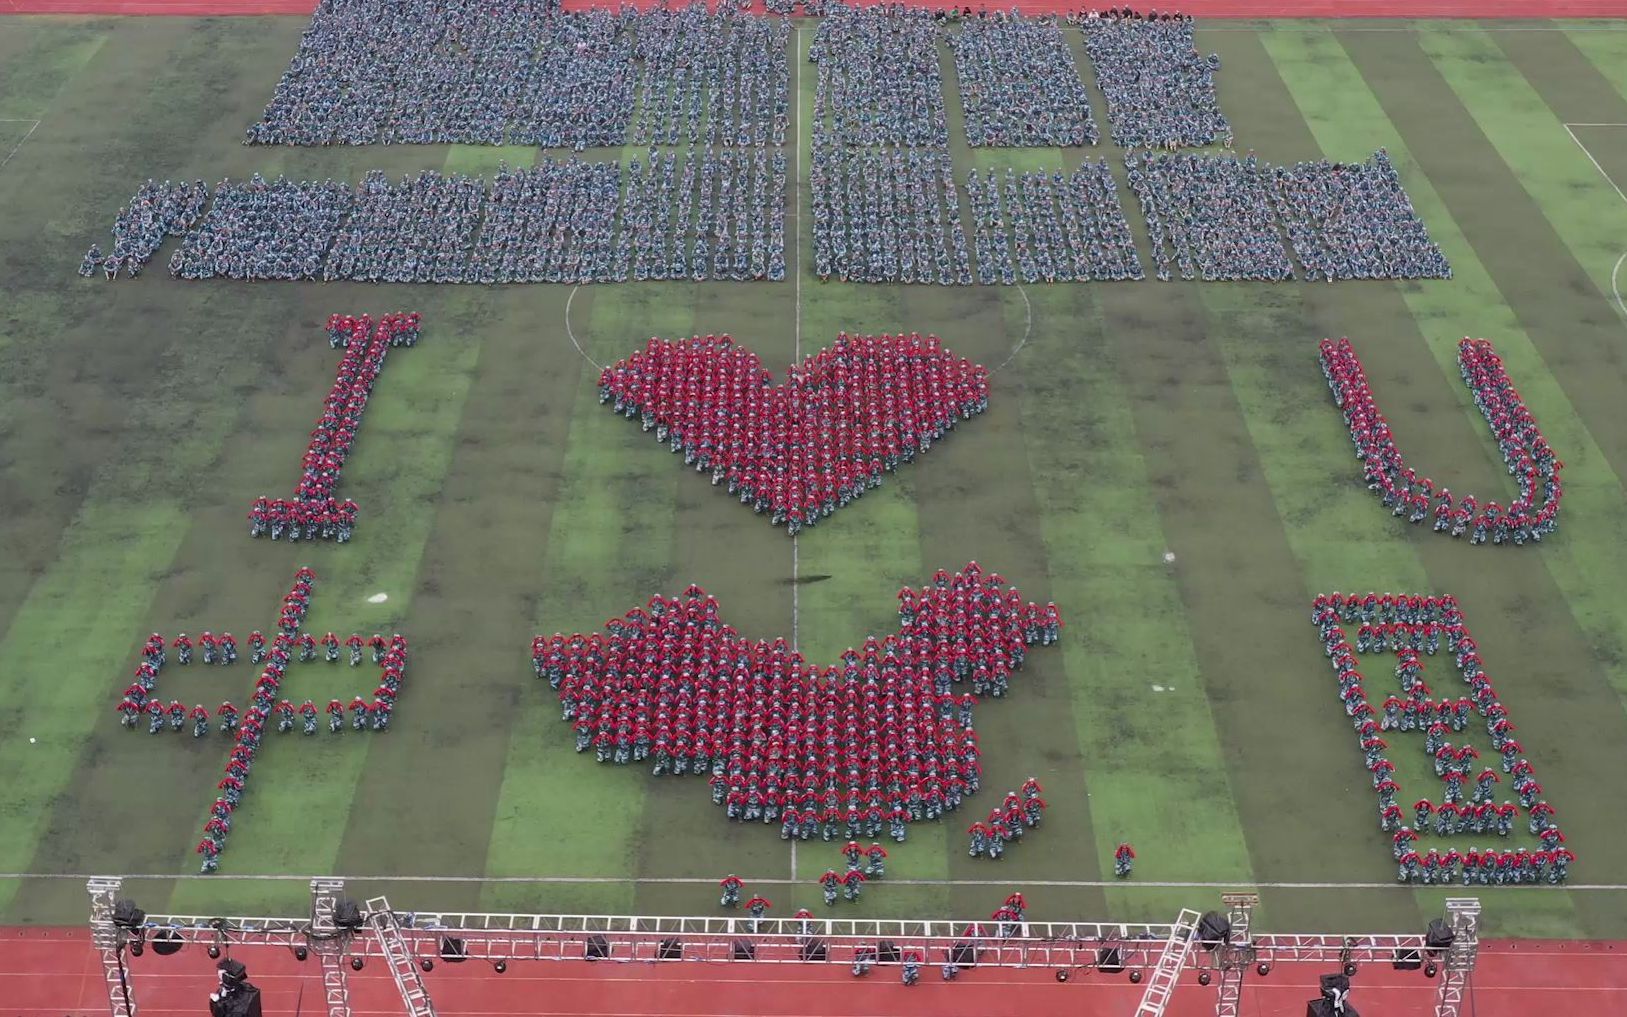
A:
(410, 940)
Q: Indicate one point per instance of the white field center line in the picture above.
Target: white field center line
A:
(707, 881)
(1615, 270)
(34, 125)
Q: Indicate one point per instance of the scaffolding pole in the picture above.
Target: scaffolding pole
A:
(109, 940)
(328, 941)
(1463, 918)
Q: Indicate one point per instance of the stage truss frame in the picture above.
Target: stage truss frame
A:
(414, 937)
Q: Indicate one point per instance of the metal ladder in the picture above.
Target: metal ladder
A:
(1155, 997)
(396, 954)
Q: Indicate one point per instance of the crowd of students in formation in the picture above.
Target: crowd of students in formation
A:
(710, 214)
(154, 212)
(1412, 628)
(1019, 85)
(1224, 218)
(797, 452)
(869, 745)
(247, 729)
(1532, 515)
(1047, 227)
(314, 513)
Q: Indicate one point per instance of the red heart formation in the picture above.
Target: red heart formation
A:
(880, 737)
(800, 450)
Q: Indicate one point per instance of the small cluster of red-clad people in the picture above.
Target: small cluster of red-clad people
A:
(873, 743)
(1009, 920)
(801, 450)
(1529, 517)
(1406, 626)
(314, 513)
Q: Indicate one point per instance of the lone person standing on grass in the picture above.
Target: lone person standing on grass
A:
(1124, 859)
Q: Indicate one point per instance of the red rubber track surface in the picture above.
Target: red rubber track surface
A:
(55, 971)
(1200, 8)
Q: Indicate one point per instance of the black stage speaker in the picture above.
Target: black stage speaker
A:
(596, 948)
(1214, 929)
(1323, 1008)
(815, 950)
(887, 952)
(1110, 960)
(453, 951)
(963, 955)
(744, 950)
(669, 949)
(1439, 935)
(127, 916)
(347, 914)
(1408, 960)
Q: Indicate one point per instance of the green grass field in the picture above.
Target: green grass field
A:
(137, 421)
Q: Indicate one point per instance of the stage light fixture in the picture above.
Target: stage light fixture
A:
(427, 964)
(1350, 969)
(500, 967)
(1430, 969)
(1203, 978)
(356, 963)
(1263, 968)
(1061, 974)
(1135, 977)
(300, 953)
(136, 948)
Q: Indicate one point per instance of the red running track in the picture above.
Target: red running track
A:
(55, 971)
(1199, 8)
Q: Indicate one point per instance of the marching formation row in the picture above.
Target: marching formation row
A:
(1407, 626)
(875, 742)
(1160, 93)
(1019, 86)
(797, 452)
(1531, 516)
(721, 216)
(1046, 227)
(414, 72)
(313, 513)
(1223, 218)
(890, 215)
(155, 211)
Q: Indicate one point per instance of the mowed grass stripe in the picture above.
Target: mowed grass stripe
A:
(66, 392)
(1343, 113)
(1244, 612)
(1607, 51)
(1585, 212)
(1525, 197)
(976, 499)
(299, 805)
(610, 547)
(1154, 773)
(37, 58)
(1391, 347)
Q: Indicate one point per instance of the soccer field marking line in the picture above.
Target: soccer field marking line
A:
(35, 125)
(572, 332)
(219, 877)
(1028, 331)
(1615, 270)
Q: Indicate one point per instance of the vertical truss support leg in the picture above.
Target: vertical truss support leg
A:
(1236, 954)
(109, 942)
(1463, 918)
(328, 942)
